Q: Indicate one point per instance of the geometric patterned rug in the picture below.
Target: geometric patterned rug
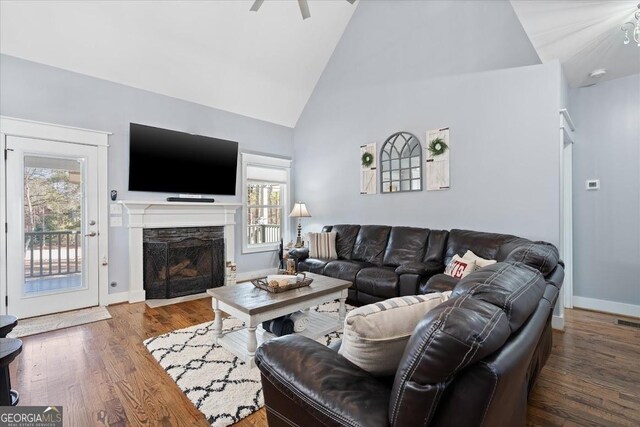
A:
(220, 386)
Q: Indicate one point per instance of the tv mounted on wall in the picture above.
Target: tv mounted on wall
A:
(168, 161)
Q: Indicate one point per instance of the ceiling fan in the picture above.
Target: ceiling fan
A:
(303, 4)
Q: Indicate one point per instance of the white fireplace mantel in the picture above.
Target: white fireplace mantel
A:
(161, 214)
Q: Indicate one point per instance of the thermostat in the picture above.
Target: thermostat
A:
(593, 184)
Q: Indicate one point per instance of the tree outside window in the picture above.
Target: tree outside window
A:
(264, 212)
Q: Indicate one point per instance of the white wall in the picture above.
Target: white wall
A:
(607, 221)
(39, 92)
(504, 124)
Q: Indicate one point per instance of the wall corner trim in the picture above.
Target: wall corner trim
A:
(557, 322)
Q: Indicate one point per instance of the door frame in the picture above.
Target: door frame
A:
(567, 139)
(10, 126)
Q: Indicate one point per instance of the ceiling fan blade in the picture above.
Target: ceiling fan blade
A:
(256, 5)
(351, 1)
(304, 9)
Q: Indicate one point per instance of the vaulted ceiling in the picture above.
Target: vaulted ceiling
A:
(584, 35)
(266, 64)
(261, 64)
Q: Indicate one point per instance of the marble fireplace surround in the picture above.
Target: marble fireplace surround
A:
(161, 214)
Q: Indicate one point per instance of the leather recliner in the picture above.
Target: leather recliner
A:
(471, 361)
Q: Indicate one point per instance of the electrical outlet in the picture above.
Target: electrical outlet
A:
(115, 221)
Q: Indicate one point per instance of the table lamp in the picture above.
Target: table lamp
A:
(299, 211)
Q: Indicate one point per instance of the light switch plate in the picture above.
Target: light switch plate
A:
(593, 184)
(115, 209)
(115, 221)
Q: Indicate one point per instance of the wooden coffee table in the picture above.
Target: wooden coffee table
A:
(254, 306)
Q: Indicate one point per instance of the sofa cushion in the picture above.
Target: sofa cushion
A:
(420, 268)
(514, 287)
(508, 246)
(313, 265)
(406, 244)
(376, 335)
(345, 270)
(437, 246)
(323, 245)
(378, 281)
(439, 283)
(345, 239)
(371, 243)
(485, 245)
(540, 255)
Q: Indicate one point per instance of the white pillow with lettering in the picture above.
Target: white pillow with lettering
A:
(460, 267)
(480, 262)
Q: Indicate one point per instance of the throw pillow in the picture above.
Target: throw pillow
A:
(323, 245)
(460, 267)
(480, 262)
(376, 335)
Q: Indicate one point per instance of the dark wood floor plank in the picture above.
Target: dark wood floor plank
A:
(103, 375)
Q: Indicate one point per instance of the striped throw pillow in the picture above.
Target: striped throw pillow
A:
(376, 335)
(323, 245)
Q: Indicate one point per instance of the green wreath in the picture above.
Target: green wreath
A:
(367, 159)
(437, 146)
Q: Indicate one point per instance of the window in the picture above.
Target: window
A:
(265, 197)
(401, 163)
(264, 212)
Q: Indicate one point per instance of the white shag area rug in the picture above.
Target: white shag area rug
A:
(52, 322)
(221, 386)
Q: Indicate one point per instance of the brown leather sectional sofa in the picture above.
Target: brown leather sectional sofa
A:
(384, 262)
(471, 361)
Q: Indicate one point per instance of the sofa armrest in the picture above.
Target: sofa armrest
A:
(304, 374)
(420, 268)
(439, 283)
(299, 254)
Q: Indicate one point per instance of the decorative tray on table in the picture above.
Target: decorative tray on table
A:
(282, 282)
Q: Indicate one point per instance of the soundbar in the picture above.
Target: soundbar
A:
(190, 199)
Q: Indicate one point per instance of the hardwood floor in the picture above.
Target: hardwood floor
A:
(103, 375)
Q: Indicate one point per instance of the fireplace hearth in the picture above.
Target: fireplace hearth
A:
(182, 261)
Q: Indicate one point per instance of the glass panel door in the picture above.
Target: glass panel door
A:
(52, 239)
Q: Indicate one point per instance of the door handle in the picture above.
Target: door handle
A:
(92, 234)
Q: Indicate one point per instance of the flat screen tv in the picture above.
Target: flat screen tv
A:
(167, 161)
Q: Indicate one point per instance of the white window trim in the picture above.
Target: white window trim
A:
(271, 162)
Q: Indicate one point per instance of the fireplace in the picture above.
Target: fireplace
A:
(182, 261)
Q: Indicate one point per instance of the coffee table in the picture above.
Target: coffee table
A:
(254, 306)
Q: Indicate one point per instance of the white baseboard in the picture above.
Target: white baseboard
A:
(557, 322)
(248, 275)
(117, 298)
(606, 306)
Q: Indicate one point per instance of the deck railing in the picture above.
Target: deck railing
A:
(262, 233)
(49, 253)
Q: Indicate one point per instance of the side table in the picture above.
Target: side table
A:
(7, 323)
(10, 348)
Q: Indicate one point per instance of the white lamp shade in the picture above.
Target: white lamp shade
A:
(299, 210)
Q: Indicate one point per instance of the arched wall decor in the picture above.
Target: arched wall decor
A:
(401, 163)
